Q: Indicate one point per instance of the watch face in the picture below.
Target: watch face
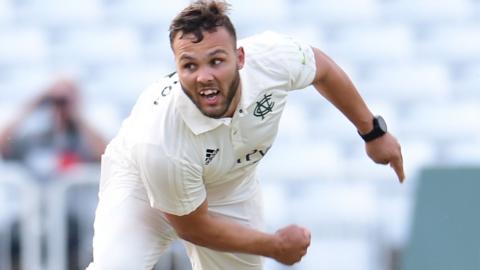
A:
(381, 123)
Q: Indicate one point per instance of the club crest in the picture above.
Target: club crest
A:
(264, 106)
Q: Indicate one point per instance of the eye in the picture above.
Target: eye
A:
(216, 61)
(189, 66)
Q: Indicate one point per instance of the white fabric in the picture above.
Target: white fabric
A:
(169, 152)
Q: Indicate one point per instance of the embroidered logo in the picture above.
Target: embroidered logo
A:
(211, 153)
(264, 106)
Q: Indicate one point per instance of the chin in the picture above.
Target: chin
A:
(214, 113)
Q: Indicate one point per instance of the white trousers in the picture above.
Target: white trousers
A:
(131, 235)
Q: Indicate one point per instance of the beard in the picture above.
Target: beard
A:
(232, 90)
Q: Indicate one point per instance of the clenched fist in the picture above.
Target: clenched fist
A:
(292, 244)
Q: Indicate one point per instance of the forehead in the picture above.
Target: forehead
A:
(219, 39)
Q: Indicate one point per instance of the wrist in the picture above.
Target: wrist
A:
(365, 126)
(379, 128)
(275, 247)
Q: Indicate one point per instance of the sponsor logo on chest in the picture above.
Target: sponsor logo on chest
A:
(211, 153)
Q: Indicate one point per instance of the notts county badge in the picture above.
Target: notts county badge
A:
(264, 106)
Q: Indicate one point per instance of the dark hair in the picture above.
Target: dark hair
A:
(200, 16)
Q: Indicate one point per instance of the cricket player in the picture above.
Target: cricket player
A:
(183, 163)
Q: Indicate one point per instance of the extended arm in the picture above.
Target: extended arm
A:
(334, 85)
(287, 245)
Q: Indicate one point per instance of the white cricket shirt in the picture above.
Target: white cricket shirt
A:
(183, 157)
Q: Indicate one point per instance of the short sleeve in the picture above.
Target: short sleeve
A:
(281, 59)
(173, 185)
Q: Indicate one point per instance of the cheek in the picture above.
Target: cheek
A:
(187, 81)
(226, 76)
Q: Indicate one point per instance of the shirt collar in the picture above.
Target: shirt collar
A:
(194, 118)
(198, 122)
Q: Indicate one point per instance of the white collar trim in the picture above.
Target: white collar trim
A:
(194, 118)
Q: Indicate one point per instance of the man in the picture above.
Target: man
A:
(183, 164)
(62, 141)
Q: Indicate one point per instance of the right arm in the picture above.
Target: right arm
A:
(287, 245)
(176, 187)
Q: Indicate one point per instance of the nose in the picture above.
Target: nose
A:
(204, 76)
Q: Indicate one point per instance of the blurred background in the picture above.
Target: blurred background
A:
(71, 70)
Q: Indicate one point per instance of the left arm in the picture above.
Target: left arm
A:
(333, 83)
(95, 142)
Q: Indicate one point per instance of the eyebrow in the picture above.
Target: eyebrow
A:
(210, 54)
(186, 57)
(217, 51)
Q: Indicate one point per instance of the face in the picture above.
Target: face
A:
(208, 71)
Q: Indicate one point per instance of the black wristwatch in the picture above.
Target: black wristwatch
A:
(379, 129)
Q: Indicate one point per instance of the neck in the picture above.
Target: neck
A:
(235, 101)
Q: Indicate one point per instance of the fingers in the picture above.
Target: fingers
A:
(397, 165)
(386, 150)
(307, 233)
(296, 241)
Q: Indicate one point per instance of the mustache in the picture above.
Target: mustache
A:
(207, 85)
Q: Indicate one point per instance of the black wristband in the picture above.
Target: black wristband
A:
(379, 129)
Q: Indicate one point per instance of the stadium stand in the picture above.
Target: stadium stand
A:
(20, 219)
(417, 63)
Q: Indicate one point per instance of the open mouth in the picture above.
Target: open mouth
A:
(209, 94)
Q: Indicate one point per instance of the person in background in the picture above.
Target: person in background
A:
(49, 135)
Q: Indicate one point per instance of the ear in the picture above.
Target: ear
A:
(240, 58)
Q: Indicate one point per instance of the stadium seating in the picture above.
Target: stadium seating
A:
(97, 46)
(417, 63)
(372, 44)
(20, 200)
(427, 12)
(6, 12)
(23, 46)
(457, 43)
(407, 83)
(142, 12)
(16, 90)
(332, 12)
(71, 197)
(465, 84)
(50, 14)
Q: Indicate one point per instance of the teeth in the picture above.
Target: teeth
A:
(208, 92)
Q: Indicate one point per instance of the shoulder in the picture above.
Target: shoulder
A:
(260, 40)
(157, 99)
(161, 90)
(155, 117)
(274, 60)
(272, 44)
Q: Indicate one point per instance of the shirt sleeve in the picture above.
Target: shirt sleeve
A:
(174, 185)
(281, 59)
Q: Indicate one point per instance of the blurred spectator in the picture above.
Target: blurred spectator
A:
(49, 135)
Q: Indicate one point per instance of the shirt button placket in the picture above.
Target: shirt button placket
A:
(236, 135)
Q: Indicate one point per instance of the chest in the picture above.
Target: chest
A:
(233, 150)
